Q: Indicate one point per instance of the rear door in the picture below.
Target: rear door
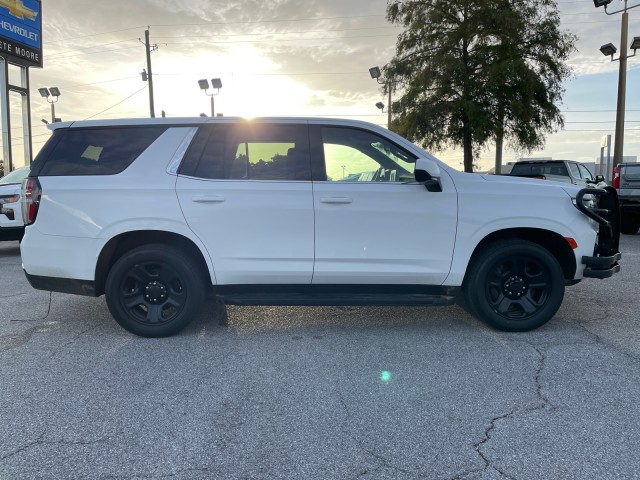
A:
(245, 190)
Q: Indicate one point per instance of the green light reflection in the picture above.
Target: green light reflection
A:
(385, 376)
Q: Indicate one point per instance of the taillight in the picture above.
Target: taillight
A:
(31, 193)
(616, 177)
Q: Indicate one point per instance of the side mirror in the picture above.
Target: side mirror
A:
(427, 172)
(599, 178)
(426, 169)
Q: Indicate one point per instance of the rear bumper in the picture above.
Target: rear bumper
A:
(601, 267)
(62, 285)
(11, 233)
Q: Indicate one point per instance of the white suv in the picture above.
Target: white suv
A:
(11, 224)
(157, 213)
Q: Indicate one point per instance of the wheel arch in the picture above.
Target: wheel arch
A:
(555, 243)
(120, 244)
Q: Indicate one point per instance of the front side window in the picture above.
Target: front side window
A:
(585, 173)
(251, 151)
(353, 155)
(96, 151)
(575, 171)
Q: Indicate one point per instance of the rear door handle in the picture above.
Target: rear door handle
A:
(337, 200)
(208, 199)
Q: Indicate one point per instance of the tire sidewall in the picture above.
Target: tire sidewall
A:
(482, 268)
(190, 278)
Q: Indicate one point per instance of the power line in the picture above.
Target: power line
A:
(115, 105)
(276, 33)
(94, 52)
(256, 22)
(280, 40)
(71, 87)
(92, 46)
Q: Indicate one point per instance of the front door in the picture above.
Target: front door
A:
(373, 226)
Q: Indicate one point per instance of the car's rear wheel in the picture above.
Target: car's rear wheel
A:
(514, 285)
(155, 290)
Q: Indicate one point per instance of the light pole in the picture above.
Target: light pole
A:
(609, 50)
(51, 92)
(215, 83)
(376, 74)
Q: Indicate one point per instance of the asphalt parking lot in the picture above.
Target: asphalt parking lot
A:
(320, 393)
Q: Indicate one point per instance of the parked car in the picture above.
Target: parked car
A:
(560, 170)
(11, 223)
(156, 213)
(626, 180)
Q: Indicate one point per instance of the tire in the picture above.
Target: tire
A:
(514, 285)
(629, 224)
(155, 290)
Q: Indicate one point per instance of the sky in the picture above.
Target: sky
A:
(290, 58)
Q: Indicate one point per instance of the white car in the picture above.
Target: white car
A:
(156, 213)
(11, 223)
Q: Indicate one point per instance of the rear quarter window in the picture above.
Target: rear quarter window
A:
(95, 151)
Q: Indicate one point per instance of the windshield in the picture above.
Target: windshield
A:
(16, 176)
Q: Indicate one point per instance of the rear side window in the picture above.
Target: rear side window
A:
(251, 151)
(97, 151)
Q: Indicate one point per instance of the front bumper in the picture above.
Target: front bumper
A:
(601, 267)
(606, 255)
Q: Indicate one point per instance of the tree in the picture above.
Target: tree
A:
(470, 71)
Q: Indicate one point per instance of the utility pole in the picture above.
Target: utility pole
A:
(148, 47)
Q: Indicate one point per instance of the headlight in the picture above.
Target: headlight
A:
(9, 199)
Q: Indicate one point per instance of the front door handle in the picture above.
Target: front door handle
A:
(338, 200)
(208, 199)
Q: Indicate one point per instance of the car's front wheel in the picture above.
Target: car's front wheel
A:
(155, 290)
(514, 285)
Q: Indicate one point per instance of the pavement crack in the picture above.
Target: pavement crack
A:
(543, 403)
(25, 447)
(40, 441)
(383, 461)
(46, 315)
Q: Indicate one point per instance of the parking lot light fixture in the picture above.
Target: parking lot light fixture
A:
(376, 73)
(48, 93)
(216, 84)
(601, 3)
(608, 50)
(635, 45)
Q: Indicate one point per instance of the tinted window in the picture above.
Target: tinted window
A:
(540, 169)
(97, 151)
(353, 155)
(249, 152)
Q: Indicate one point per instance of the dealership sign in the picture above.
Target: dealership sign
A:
(21, 31)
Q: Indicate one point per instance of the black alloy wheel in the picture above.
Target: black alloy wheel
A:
(154, 290)
(514, 285)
